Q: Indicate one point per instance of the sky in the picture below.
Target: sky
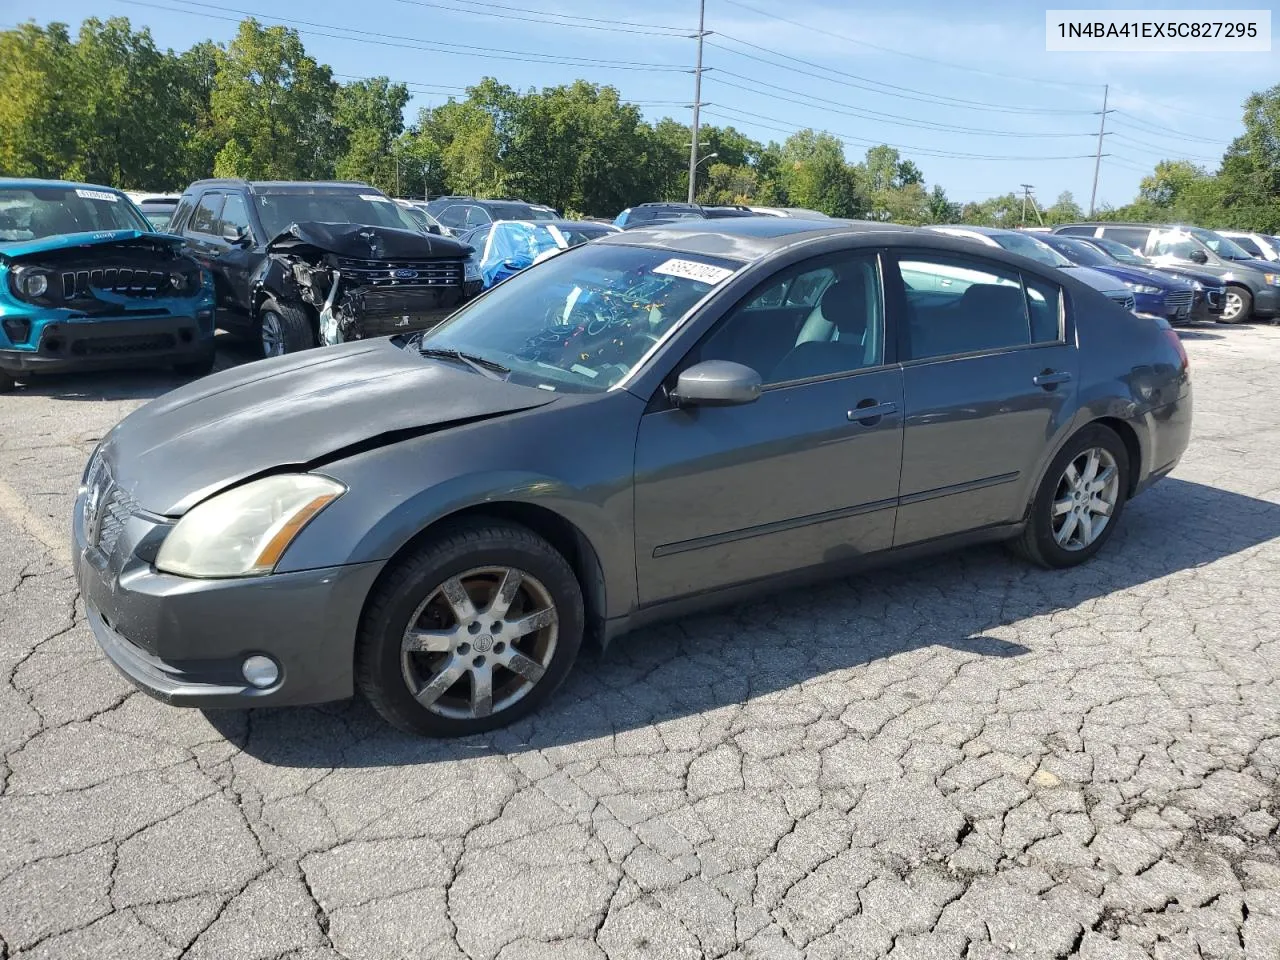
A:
(966, 90)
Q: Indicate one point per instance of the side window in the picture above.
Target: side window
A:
(842, 332)
(956, 305)
(205, 219)
(1173, 243)
(235, 214)
(454, 216)
(1045, 307)
(181, 213)
(1133, 237)
(1249, 246)
(478, 217)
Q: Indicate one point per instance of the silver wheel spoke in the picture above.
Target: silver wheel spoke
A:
(530, 624)
(455, 594)
(1086, 527)
(507, 591)
(1100, 507)
(1101, 480)
(429, 641)
(481, 691)
(1090, 467)
(1072, 475)
(441, 682)
(1068, 528)
(1062, 506)
(530, 669)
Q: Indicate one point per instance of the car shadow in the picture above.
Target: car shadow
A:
(954, 601)
(126, 383)
(1197, 333)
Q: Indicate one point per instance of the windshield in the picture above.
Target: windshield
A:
(545, 213)
(1220, 245)
(278, 210)
(33, 213)
(1031, 247)
(1120, 252)
(1082, 253)
(1176, 243)
(580, 322)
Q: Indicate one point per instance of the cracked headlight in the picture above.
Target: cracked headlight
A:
(245, 531)
(1142, 287)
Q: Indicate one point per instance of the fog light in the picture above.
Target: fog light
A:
(17, 329)
(261, 671)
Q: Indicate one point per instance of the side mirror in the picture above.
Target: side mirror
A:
(716, 383)
(434, 229)
(233, 235)
(1198, 256)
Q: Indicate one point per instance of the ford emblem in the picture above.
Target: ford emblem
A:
(405, 274)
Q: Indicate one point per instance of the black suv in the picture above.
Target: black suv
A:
(650, 214)
(460, 215)
(301, 264)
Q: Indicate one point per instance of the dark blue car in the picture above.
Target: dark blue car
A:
(1155, 294)
(1210, 291)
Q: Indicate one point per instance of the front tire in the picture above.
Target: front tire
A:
(1238, 306)
(284, 328)
(1079, 501)
(471, 631)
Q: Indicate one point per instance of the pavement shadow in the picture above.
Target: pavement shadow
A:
(1198, 333)
(710, 661)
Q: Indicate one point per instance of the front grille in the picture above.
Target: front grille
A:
(402, 273)
(1179, 302)
(128, 281)
(123, 346)
(1125, 300)
(106, 508)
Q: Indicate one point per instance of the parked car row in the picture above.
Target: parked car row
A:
(655, 421)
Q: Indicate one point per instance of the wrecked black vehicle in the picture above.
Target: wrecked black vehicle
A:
(366, 281)
(302, 264)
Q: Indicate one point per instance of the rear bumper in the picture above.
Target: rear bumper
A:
(91, 344)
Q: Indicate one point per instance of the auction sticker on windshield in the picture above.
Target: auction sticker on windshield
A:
(374, 197)
(693, 270)
(97, 195)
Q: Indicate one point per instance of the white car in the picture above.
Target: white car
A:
(1258, 245)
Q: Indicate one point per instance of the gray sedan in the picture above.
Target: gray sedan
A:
(662, 420)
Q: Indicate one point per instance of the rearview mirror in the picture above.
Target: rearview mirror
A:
(716, 383)
(1198, 256)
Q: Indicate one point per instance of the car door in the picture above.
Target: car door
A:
(989, 379)
(805, 475)
(204, 243)
(236, 261)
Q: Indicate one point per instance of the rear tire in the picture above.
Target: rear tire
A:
(469, 632)
(284, 328)
(1238, 306)
(1062, 510)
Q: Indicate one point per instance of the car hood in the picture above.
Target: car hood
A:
(294, 412)
(1096, 279)
(1262, 266)
(12, 250)
(1183, 273)
(1130, 274)
(361, 242)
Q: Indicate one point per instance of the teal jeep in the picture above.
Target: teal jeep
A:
(85, 283)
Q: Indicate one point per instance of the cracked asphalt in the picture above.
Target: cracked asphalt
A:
(960, 758)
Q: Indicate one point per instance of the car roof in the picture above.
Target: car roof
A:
(37, 182)
(985, 231)
(562, 222)
(743, 238)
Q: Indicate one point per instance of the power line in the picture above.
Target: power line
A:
(874, 114)
(1167, 150)
(679, 31)
(389, 40)
(924, 151)
(874, 86)
(1152, 129)
(538, 15)
(914, 56)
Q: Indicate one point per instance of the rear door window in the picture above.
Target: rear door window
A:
(235, 213)
(1133, 237)
(208, 210)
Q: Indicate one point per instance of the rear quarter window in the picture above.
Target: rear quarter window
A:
(1134, 237)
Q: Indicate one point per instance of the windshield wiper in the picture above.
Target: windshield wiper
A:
(480, 364)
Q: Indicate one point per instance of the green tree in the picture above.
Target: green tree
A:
(814, 174)
(39, 112)
(1064, 209)
(273, 108)
(942, 210)
(370, 118)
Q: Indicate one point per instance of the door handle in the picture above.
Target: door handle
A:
(868, 412)
(1050, 378)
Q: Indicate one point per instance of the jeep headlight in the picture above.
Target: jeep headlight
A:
(1142, 287)
(1197, 285)
(245, 531)
(31, 281)
(180, 282)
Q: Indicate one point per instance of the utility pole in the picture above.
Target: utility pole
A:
(1097, 160)
(1026, 194)
(697, 101)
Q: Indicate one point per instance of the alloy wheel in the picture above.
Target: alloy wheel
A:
(1232, 307)
(272, 335)
(1086, 498)
(480, 642)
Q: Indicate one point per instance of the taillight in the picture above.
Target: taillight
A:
(1177, 345)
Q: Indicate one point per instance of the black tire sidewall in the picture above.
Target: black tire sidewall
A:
(1041, 526)
(383, 631)
(296, 329)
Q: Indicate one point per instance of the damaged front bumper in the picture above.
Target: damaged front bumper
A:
(373, 312)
